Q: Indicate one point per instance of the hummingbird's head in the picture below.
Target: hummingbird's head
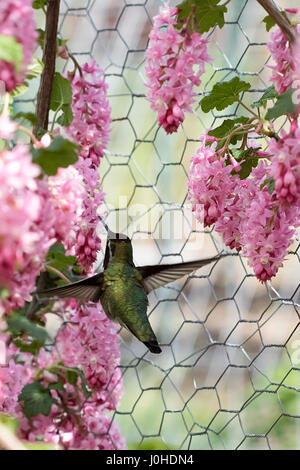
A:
(118, 246)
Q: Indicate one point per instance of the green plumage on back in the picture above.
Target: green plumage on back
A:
(125, 300)
(122, 288)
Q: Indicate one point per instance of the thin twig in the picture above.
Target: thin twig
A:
(279, 19)
(49, 58)
(248, 109)
(58, 273)
(27, 132)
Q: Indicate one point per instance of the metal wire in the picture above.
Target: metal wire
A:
(228, 376)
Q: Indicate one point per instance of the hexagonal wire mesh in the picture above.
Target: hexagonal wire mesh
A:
(228, 376)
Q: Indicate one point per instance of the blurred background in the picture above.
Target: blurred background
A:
(229, 373)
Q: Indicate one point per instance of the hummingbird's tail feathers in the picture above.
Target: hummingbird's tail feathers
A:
(162, 274)
(153, 346)
(88, 289)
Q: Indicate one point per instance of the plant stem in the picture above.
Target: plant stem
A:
(279, 19)
(54, 118)
(243, 127)
(29, 133)
(58, 273)
(76, 64)
(248, 109)
(49, 58)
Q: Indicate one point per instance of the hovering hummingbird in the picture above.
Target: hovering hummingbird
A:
(122, 288)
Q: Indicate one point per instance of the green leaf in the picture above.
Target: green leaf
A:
(20, 90)
(18, 325)
(271, 185)
(227, 126)
(61, 262)
(184, 9)
(250, 161)
(61, 92)
(39, 4)
(57, 386)
(207, 14)
(61, 98)
(72, 377)
(30, 117)
(210, 14)
(35, 69)
(11, 50)
(32, 347)
(61, 153)
(57, 258)
(284, 105)
(269, 94)
(41, 38)
(72, 374)
(66, 117)
(36, 400)
(224, 94)
(37, 319)
(269, 22)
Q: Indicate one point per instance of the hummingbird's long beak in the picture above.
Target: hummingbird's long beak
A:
(110, 235)
(104, 224)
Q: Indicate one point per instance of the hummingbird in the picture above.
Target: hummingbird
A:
(123, 288)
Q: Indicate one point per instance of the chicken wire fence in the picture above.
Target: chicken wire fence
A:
(228, 376)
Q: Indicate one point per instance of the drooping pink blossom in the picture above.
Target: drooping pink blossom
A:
(285, 168)
(175, 62)
(17, 21)
(249, 217)
(285, 57)
(87, 341)
(210, 183)
(31, 256)
(296, 70)
(266, 229)
(20, 206)
(35, 213)
(90, 129)
(94, 344)
(67, 195)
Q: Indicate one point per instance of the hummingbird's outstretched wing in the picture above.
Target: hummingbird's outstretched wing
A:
(86, 289)
(161, 274)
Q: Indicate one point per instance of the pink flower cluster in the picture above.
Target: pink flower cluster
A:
(248, 217)
(67, 194)
(285, 168)
(20, 243)
(287, 59)
(208, 178)
(17, 21)
(35, 214)
(89, 342)
(90, 129)
(94, 344)
(175, 62)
